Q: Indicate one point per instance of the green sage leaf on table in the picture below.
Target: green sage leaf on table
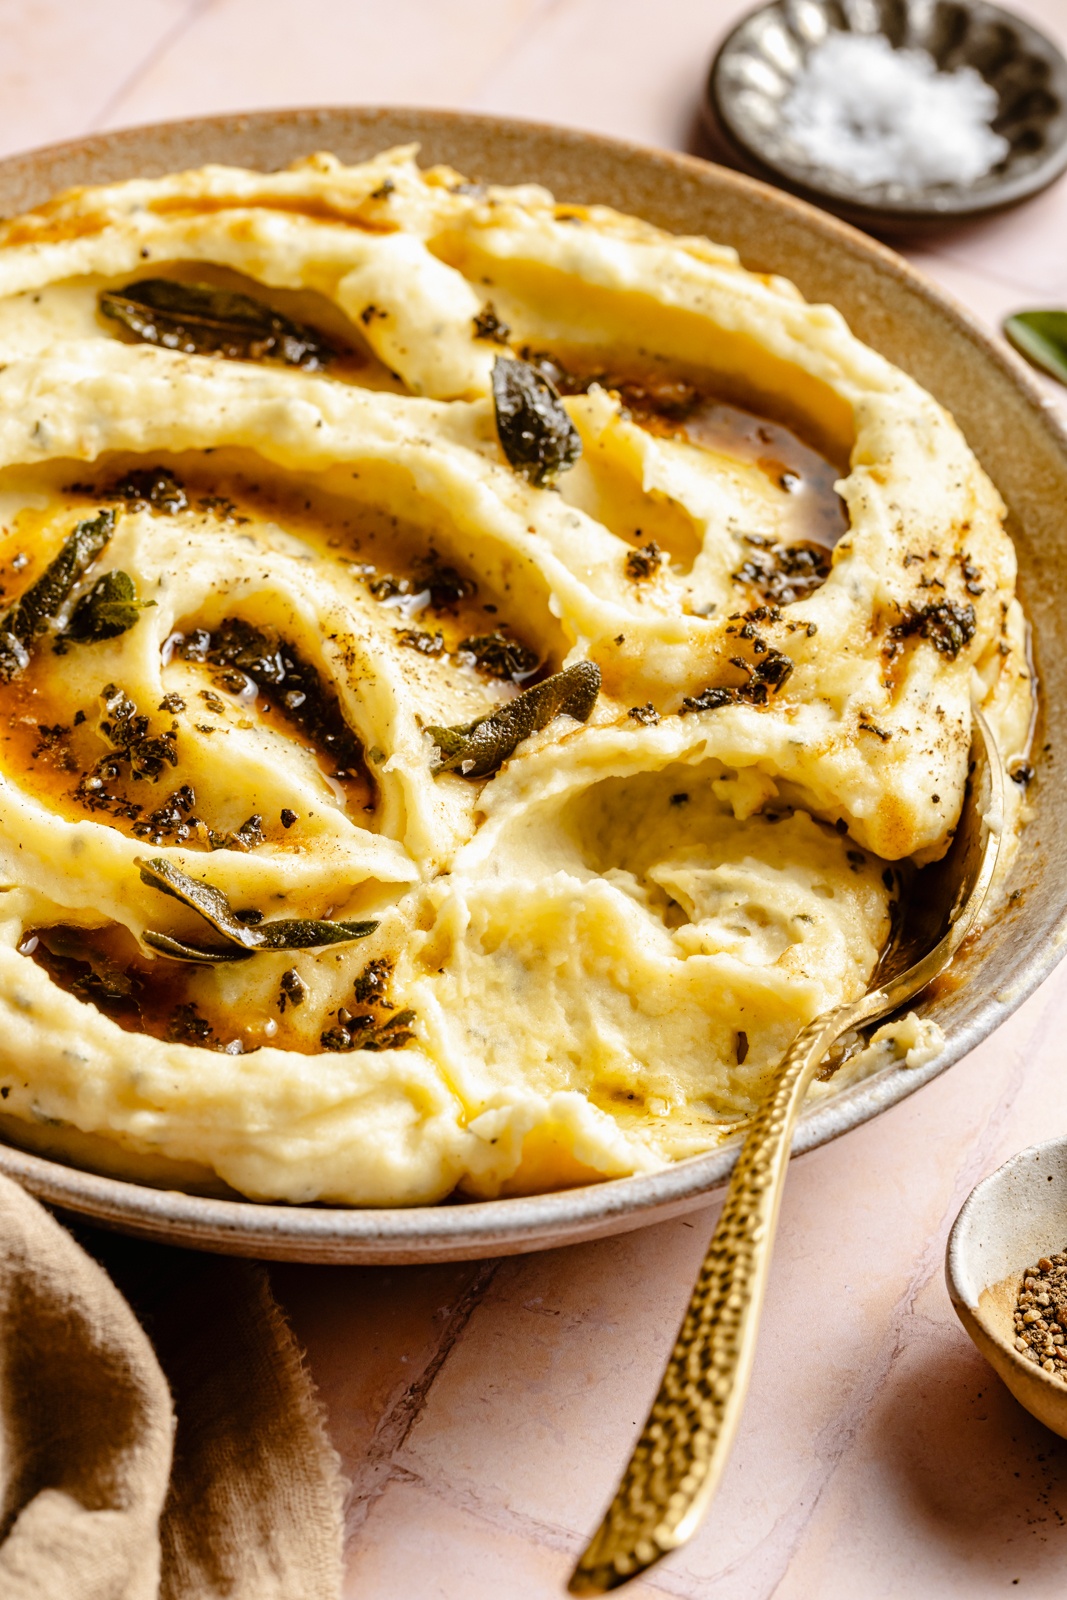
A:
(110, 608)
(1040, 336)
(198, 319)
(480, 748)
(536, 434)
(40, 606)
(246, 933)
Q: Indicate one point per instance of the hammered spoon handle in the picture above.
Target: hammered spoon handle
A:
(675, 1468)
(676, 1465)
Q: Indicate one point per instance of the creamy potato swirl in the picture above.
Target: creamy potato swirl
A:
(587, 963)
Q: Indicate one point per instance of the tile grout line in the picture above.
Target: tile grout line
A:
(378, 1469)
(522, 1525)
(396, 1426)
(904, 1311)
(193, 11)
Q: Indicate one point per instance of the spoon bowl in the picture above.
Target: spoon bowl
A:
(1010, 1220)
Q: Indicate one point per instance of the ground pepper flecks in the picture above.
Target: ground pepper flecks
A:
(1041, 1315)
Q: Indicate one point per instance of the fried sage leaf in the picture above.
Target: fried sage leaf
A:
(478, 749)
(765, 677)
(363, 1033)
(131, 738)
(110, 608)
(153, 489)
(40, 606)
(308, 934)
(198, 319)
(246, 937)
(1040, 336)
(498, 656)
(205, 955)
(536, 434)
(949, 627)
(292, 683)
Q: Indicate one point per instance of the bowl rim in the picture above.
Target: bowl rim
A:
(849, 202)
(513, 1225)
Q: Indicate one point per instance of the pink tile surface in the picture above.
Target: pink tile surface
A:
(482, 1411)
(417, 1544)
(237, 54)
(63, 64)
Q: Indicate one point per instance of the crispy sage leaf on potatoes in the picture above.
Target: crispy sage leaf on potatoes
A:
(363, 1033)
(110, 608)
(31, 615)
(305, 933)
(948, 627)
(478, 749)
(498, 656)
(536, 434)
(282, 673)
(204, 955)
(246, 937)
(487, 325)
(1040, 336)
(153, 489)
(198, 319)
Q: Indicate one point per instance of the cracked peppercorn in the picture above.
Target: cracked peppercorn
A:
(1041, 1315)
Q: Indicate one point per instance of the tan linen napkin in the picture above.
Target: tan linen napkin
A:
(101, 1496)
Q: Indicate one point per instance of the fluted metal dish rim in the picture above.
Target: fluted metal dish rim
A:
(885, 215)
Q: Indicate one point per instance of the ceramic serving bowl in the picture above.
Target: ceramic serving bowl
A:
(1012, 1219)
(758, 64)
(1008, 423)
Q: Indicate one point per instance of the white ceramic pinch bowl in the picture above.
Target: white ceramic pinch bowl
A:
(1013, 1218)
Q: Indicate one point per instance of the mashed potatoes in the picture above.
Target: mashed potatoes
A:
(410, 780)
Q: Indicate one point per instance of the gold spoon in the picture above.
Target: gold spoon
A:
(678, 1461)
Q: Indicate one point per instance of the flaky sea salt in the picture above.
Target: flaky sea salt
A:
(882, 116)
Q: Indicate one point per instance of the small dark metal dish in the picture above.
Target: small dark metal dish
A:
(758, 64)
